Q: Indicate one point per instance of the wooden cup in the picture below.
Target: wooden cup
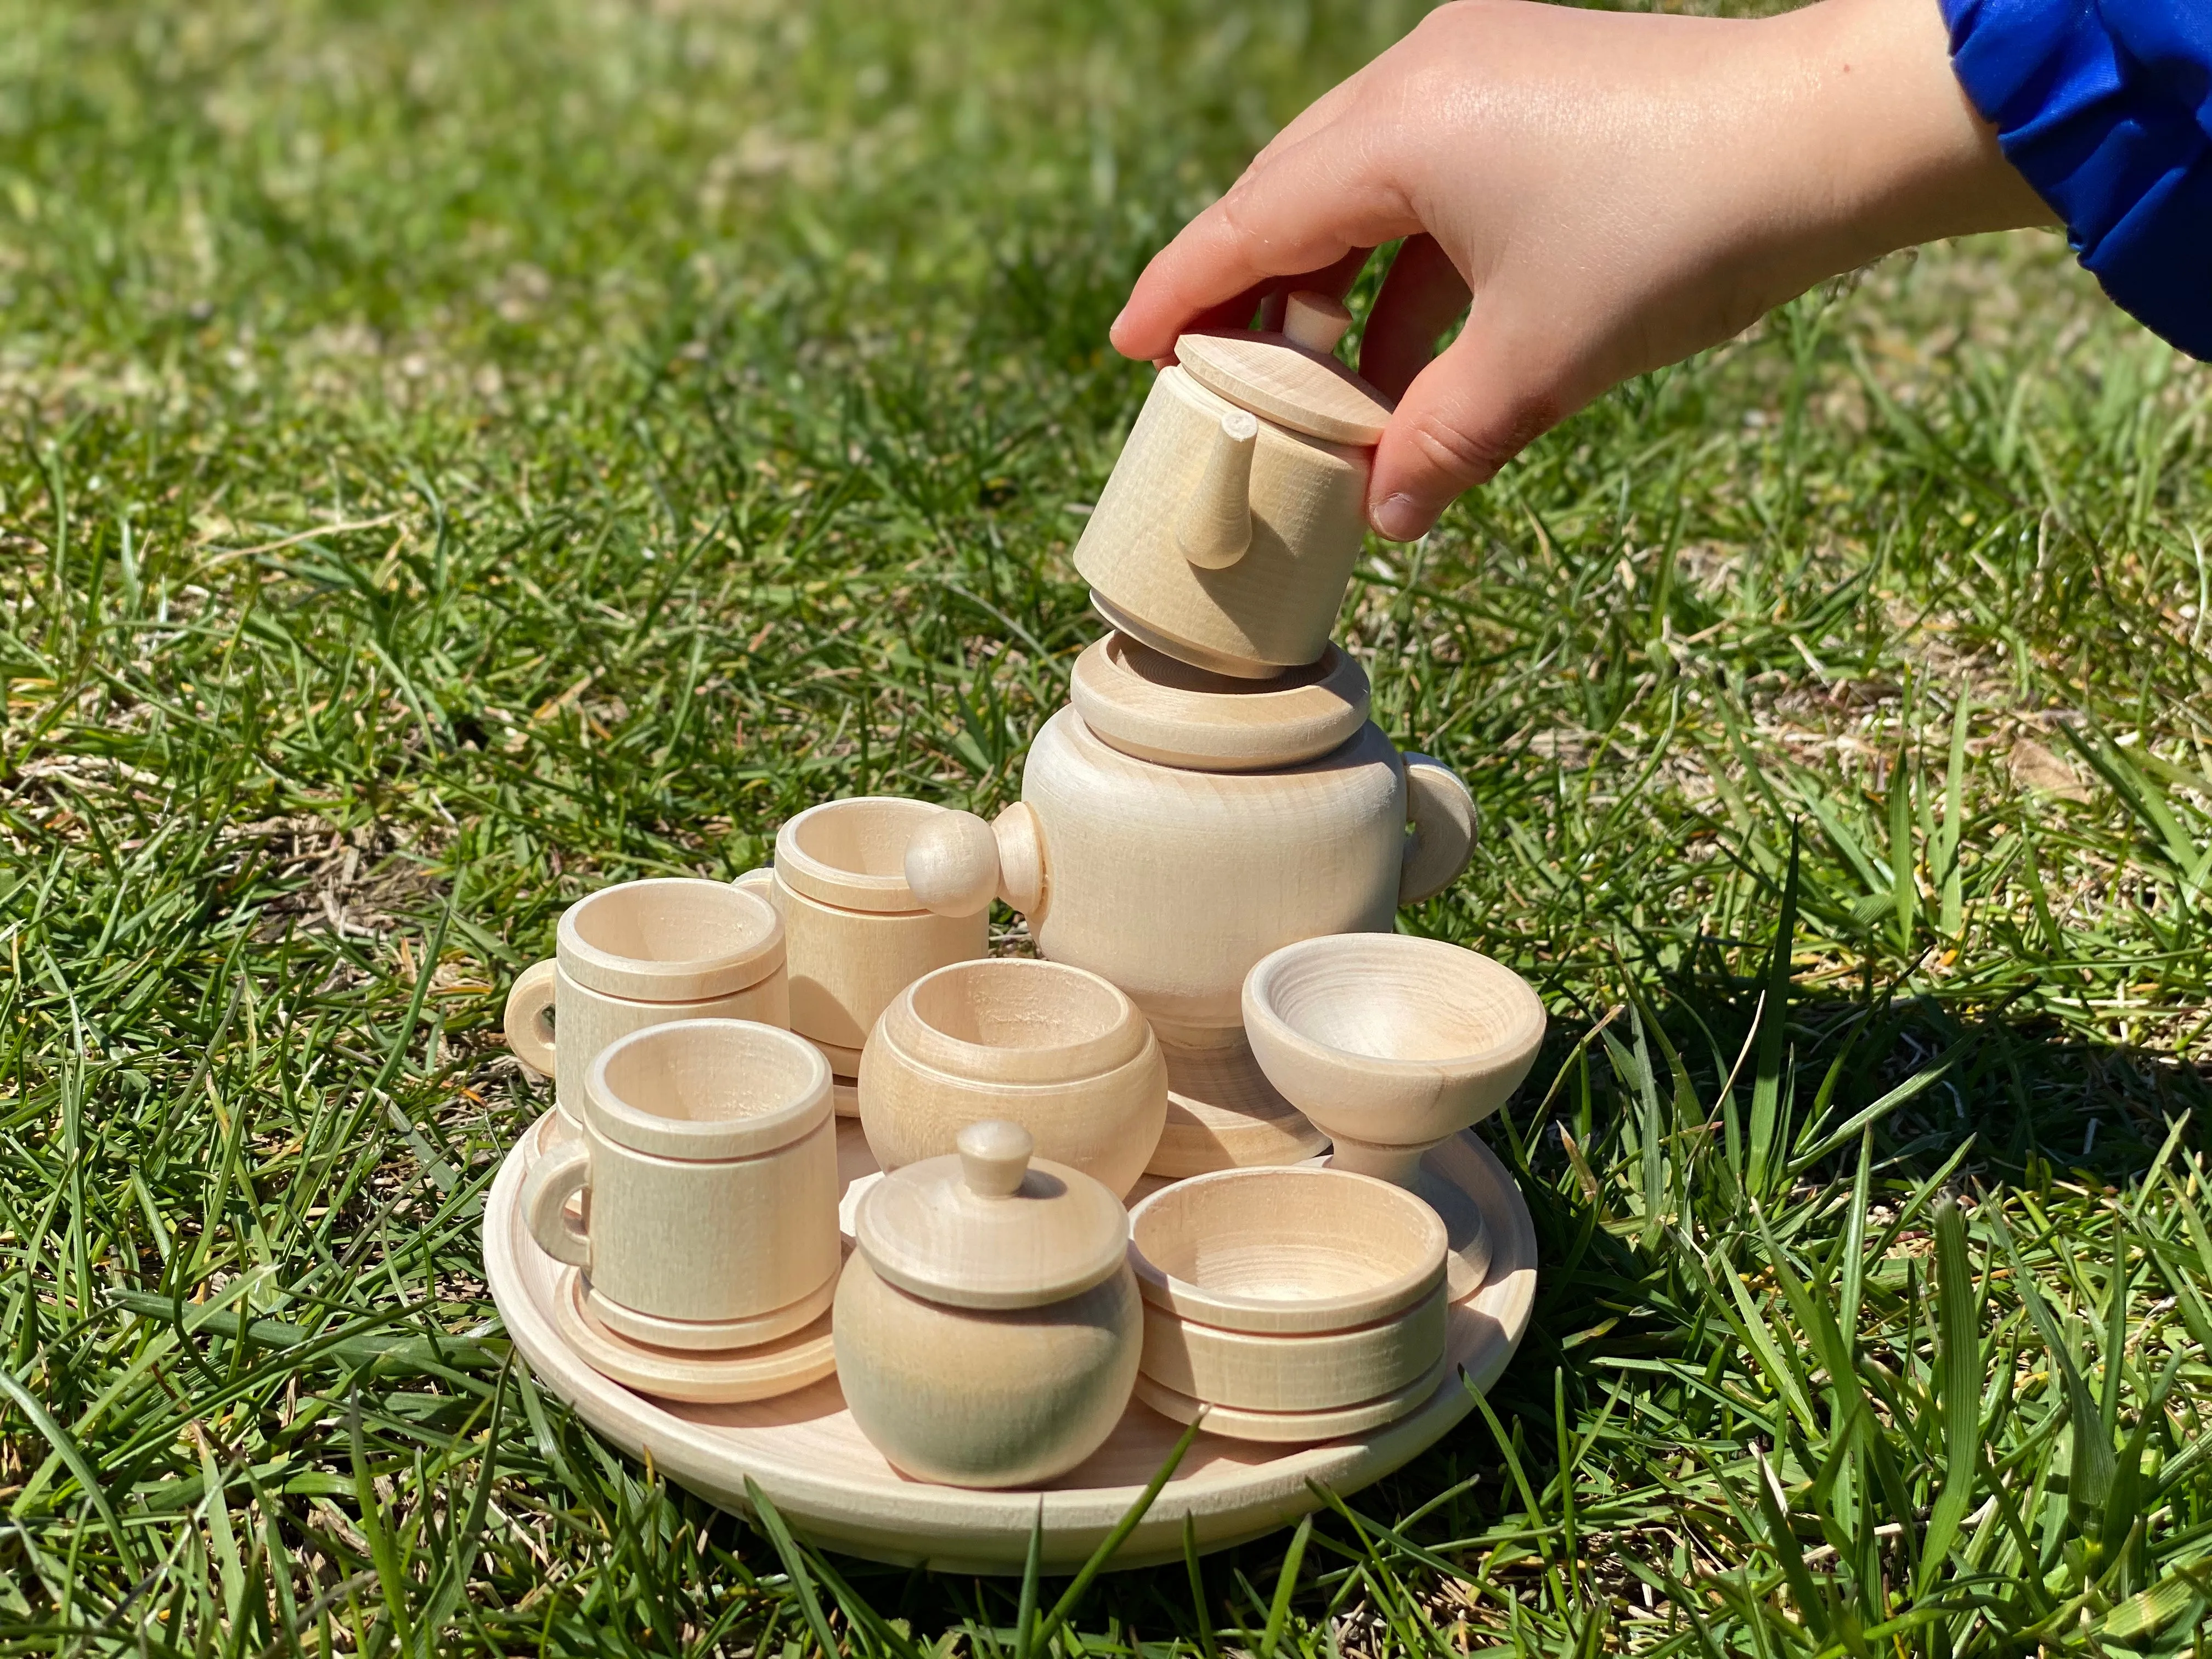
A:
(640, 954)
(1056, 1049)
(855, 936)
(708, 1163)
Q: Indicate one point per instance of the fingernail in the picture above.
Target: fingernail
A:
(1115, 327)
(1399, 519)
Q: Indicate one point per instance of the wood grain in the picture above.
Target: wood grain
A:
(836, 1489)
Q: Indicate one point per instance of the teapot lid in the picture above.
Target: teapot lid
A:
(1291, 378)
(1150, 706)
(992, 1225)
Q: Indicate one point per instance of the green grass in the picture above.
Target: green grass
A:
(456, 455)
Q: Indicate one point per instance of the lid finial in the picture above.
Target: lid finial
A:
(994, 1156)
(1316, 321)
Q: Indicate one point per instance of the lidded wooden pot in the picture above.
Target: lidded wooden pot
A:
(1227, 533)
(987, 1329)
(1177, 825)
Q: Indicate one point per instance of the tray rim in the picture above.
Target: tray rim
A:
(948, 1529)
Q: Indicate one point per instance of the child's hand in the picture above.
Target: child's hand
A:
(1617, 191)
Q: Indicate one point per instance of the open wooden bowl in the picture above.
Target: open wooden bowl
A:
(1284, 1250)
(1058, 1050)
(1281, 1298)
(1390, 1043)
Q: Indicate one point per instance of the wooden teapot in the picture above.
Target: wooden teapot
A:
(1227, 533)
(1175, 826)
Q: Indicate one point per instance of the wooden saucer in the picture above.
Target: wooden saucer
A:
(1295, 1428)
(694, 1336)
(730, 1377)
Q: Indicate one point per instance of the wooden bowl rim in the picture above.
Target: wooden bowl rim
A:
(1229, 1310)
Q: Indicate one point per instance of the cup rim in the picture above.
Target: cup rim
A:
(1517, 1036)
(626, 1125)
(803, 872)
(694, 979)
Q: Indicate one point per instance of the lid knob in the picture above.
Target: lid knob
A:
(994, 1156)
(1315, 321)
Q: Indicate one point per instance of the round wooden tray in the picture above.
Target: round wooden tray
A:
(835, 1489)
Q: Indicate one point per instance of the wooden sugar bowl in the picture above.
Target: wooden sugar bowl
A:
(1175, 826)
(1227, 533)
(1057, 1050)
(987, 1325)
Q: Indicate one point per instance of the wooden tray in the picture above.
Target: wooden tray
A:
(836, 1489)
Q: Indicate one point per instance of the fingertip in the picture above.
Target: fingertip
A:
(1399, 518)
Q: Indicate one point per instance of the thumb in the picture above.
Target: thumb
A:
(1471, 410)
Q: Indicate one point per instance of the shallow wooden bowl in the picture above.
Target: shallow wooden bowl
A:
(1284, 1250)
(1319, 1370)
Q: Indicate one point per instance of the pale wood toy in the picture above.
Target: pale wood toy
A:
(1156, 709)
(1170, 881)
(709, 1167)
(1291, 1428)
(987, 1327)
(775, 1365)
(855, 935)
(1390, 1044)
(1222, 1114)
(639, 954)
(836, 1489)
(1057, 1050)
(1227, 533)
(1279, 1295)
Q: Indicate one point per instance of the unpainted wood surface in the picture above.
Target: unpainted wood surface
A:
(1292, 1428)
(846, 965)
(1319, 1370)
(1386, 1039)
(669, 938)
(1156, 707)
(1292, 1250)
(1171, 883)
(975, 1398)
(1276, 606)
(835, 1488)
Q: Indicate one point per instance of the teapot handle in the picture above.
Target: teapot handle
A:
(955, 862)
(1443, 813)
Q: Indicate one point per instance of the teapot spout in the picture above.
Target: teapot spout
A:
(1217, 520)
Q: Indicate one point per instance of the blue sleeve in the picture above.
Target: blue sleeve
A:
(2106, 107)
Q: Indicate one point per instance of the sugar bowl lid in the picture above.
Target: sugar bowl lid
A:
(1150, 706)
(992, 1225)
(1291, 377)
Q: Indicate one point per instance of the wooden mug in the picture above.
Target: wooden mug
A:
(708, 1163)
(855, 935)
(638, 954)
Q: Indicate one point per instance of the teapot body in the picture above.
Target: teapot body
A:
(1172, 883)
(1273, 607)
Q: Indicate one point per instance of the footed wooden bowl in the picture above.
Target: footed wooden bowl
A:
(1390, 1042)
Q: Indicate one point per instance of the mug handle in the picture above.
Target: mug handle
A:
(1443, 817)
(553, 1180)
(527, 1005)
